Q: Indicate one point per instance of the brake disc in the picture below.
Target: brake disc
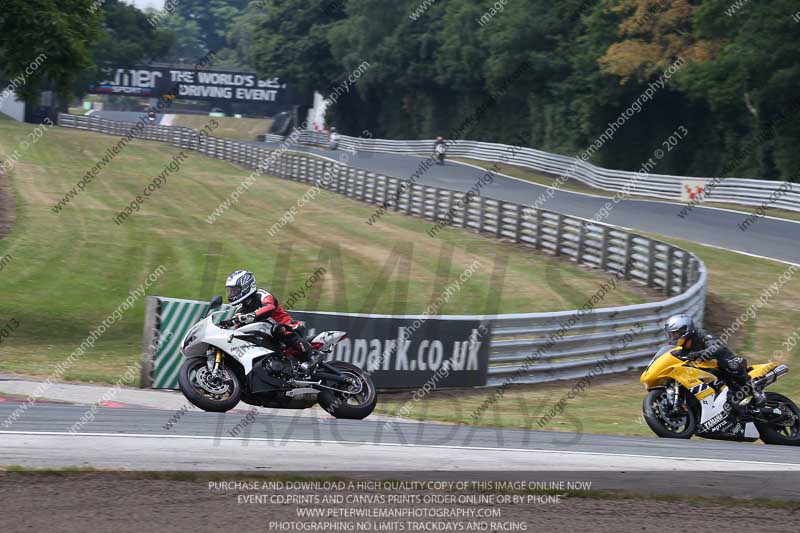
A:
(209, 383)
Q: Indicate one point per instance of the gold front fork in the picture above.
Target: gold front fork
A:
(217, 361)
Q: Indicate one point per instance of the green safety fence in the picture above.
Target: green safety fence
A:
(166, 324)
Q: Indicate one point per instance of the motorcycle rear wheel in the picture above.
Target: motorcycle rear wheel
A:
(654, 411)
(781, 434)
(355, 406)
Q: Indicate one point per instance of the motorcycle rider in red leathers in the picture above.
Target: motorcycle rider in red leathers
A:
(259, 305)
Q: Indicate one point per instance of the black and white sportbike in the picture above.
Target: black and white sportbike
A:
(224, 366)
(439, 153)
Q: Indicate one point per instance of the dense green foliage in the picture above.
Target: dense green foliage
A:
(72, 39)
(54, 36)
(432, 65)
(129, 37)
(219, 28)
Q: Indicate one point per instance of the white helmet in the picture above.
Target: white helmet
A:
(239, 286)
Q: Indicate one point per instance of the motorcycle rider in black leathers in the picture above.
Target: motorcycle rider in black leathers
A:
(259, 305)
(701, 345)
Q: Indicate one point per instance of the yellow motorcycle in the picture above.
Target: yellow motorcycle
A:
(687, 398)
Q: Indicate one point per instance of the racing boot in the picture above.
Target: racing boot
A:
(759, 398)
(303, 353)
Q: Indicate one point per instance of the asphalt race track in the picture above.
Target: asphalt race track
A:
(135, 438)
(768, 237)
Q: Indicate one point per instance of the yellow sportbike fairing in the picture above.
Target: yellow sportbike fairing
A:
(666, 367)
(692, 375)
(757, 371)
(713, 413)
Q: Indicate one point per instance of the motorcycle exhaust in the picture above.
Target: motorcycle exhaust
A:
(772, 376)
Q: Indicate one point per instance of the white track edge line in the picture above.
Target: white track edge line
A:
(394, 445)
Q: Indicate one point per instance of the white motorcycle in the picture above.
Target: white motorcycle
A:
(224, 366)
(333, 141)
(439, 153)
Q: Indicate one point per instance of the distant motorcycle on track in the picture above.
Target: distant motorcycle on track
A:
(439, 153)
(333, 140)
(224, 366)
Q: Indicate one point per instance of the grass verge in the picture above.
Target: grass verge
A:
(70, 270)
(229, 127)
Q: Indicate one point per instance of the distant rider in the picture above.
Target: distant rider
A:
(702, 345)
(439, 150)
(259, 305)
(333, 139)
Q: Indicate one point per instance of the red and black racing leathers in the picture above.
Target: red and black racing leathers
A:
(266, 308)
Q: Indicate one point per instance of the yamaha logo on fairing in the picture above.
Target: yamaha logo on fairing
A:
(715, 422)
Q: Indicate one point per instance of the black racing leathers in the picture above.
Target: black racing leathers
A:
(705, 346)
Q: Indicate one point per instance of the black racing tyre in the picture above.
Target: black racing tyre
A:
(224, 395)
(668, 426)
(783, 434)
(356, 406)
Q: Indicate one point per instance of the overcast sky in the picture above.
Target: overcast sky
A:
(141, 4)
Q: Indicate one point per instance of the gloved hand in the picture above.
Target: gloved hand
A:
(241, 320)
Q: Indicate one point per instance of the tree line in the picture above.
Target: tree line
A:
(725, 72)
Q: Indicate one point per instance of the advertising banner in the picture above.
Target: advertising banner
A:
(197, 84)
(400, 352)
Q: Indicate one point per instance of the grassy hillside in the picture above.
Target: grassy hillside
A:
(229, 127)
(69, 270)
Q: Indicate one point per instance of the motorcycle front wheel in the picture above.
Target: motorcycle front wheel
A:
(664, 422)
(209, 393)
(359, 403)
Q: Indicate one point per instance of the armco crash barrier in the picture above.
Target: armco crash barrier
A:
(526, 347)
(728, 190)
(399, 351)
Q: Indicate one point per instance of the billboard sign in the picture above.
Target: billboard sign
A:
(196, 84)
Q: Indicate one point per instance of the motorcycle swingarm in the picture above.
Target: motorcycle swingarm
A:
(330, 377)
